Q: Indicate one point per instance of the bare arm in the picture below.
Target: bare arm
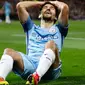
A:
(64, 12)
(22, 9)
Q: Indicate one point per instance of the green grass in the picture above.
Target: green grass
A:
(72, 56)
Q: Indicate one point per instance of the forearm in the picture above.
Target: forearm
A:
(63, 12)
(59, 5)
(27, 4)
(22, 9)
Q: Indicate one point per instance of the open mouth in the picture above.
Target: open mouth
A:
(47, 12)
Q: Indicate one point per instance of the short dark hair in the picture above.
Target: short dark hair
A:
(47, 3)
(57, 11)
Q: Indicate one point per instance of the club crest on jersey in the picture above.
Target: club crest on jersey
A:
(52, 30)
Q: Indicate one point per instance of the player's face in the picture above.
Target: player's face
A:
(48, 12)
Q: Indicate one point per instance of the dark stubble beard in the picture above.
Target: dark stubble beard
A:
(47, 19)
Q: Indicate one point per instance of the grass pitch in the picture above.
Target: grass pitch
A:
(72, 56)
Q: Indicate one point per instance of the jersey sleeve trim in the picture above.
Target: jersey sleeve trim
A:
(28, 24)
(63, 30)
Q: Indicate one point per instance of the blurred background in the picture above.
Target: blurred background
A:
(77, 9)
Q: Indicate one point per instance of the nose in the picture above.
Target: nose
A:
(48, 8)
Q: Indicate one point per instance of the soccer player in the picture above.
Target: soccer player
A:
(44, 43)
(7, 10)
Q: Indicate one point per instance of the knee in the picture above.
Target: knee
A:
(50, 44)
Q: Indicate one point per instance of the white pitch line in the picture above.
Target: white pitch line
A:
(18, 35)
(76, 32)
(71, 38)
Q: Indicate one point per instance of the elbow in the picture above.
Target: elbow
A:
(19, 6)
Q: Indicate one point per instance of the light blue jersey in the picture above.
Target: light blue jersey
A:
(7, 8)
(38, 36)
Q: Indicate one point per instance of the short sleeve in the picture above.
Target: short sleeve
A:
(28, 25)
(63, 30)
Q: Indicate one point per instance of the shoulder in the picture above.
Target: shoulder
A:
(63, 29)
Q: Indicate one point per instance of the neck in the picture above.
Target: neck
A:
(46, 24)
